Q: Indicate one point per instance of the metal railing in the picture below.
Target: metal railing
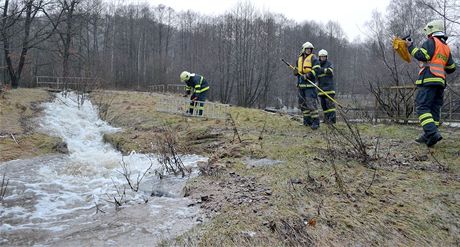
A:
(182, 106)
(167, 88)
(66, 83)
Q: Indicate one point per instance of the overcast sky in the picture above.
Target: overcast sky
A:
(351, 14)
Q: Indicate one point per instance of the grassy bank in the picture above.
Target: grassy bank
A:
(319, 193)
(18, 130)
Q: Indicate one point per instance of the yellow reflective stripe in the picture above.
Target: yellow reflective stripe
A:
(451, 66)
(200, 108)
(322, 75)
(313, 72)
(436, 122)
(330, 110)
(302, 85)
(429, 120)
(327, 92)
(425, 52)
(415, 50)
(316, 66)
(433, 79)
(425, 115)
(202, 90)
(188, 88)
(332, 71)
(197, 86)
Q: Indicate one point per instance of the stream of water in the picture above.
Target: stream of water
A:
(69, 200)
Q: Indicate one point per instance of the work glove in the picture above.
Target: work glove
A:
(408, 41)
(296, 72)
(307, 77)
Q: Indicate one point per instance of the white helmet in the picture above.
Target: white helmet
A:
(307, 45)
(322, 53)
(184, 76)
(434, 26)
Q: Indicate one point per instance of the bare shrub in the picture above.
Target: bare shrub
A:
(165, 147)
(232, 122)
(397, 102)
(126, 172)
(350, 136)
(119, 198)
(104, 101)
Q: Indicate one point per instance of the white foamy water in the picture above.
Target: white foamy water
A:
(52, 200)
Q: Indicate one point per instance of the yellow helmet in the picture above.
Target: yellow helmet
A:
(322, 53)
(184, 76)
(434, 26)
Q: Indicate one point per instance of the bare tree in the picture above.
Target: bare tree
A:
(22, 23)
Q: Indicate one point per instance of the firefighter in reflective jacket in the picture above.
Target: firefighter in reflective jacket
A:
(199, 86)
(307, 69)
(435, 61)
(326, 83)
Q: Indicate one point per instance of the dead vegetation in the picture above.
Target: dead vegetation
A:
(165, 147)
(126, 173)
(354, 184)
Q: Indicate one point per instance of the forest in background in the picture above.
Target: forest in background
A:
(134, 46)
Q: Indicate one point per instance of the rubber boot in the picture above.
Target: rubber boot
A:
(432, 140)
(422, 139)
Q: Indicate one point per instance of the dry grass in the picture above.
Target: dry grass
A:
(18, 108)
(411, 199)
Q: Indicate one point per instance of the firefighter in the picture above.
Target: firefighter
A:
(307, 68)
(435, 61)
(199, 86)
(326, 83)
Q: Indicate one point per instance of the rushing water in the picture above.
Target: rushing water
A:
(69, 200)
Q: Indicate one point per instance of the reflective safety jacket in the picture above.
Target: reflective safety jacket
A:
(435, 62)
(198, 83)
(325, 78)
(307, 65)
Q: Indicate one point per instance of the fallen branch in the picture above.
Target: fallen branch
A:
(12, 136)
(337, 176)
(440, 165)
(98, 209)
(3, 187)
(372, 182)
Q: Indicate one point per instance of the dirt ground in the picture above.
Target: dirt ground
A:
(279, 183)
